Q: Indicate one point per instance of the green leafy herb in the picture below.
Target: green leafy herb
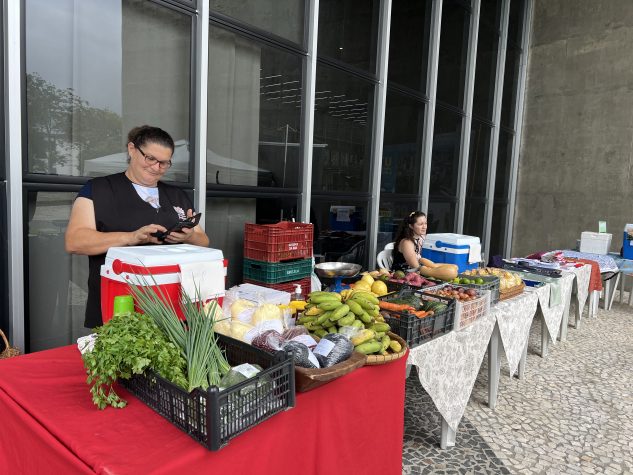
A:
(126, 345)
(206, 363)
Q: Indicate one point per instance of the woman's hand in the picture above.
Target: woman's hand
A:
(193, 235)
(178, 237)
(144, 235)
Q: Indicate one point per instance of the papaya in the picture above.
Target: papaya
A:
(443, 272)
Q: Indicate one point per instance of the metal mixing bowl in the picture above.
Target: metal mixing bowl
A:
(337, 269)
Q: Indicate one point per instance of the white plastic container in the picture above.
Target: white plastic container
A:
(595, 243)
(172, 268)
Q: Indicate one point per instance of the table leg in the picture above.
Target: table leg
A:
(523, 362)
(622, 285)
(408, 371)
(448, 435)
(565, 321)
(615, 287)
(544, 337)
(493, 367)
(607, 292)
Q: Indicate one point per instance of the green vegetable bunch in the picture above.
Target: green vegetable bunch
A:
(127, 345)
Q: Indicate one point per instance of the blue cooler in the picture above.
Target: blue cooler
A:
(627, 243)
(449, 248)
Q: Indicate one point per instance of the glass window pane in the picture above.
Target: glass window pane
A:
(478, 158)
(402, 148)
(224, 223)
(441, 217)
(451, 68)
(510, 85)
(347, 31)
(498, 229)
(86, 87)
(2, 163)
(474, 218)
(490, 15)
(390, 217)
(409, 43)
(57, 281)
(445, 163)
(342, 131)
(485, 72)
(504, 156)
(342, 227)
(281, 17)
(515, 23)
(254, 112)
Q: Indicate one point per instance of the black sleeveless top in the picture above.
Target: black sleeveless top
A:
(399, 262)
(118, 207)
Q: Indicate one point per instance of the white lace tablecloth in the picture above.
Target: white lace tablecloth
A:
(553, 315)
(514, 317)
(448, 366)
(583, 276)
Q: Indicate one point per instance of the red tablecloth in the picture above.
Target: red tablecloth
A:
(48, 424)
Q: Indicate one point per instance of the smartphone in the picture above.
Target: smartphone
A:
(179, 226)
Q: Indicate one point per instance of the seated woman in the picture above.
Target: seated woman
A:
(407, 249)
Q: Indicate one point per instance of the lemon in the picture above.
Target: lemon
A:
(379, 288)
(367, 278)
(363, 285)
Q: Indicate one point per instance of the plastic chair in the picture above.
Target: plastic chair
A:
(389, 245)
(384, 259)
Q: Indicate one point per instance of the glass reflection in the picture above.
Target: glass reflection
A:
(504, 157)
(390, 217)
(342, 132)
(225, 219)
(451, 68)
(445, 162)
(86, 86)
(56, 305)
(478, 159)
(474, 219)
(402, 148)
(441, 216)
(254, 126)
(498, 229)
(282, 17)
(347, 31)
(409, 43)
(485, 71)
(342, 228)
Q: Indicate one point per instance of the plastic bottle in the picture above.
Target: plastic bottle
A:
(297, 295)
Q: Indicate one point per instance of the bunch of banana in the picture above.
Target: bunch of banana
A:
(327, 312)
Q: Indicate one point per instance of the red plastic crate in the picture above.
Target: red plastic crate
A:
(278, 242)
(305, 284)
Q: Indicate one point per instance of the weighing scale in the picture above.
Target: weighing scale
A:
(336, 273)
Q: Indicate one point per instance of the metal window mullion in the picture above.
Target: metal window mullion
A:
(13, 157)
(307, 112)
(516, 146)
(200, 105)
(378, 133)
(471, 64)
(429, 121)
(496, 119)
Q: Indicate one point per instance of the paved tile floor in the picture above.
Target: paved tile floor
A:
(572, 414)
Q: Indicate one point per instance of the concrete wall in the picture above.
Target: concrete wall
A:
(577, 149)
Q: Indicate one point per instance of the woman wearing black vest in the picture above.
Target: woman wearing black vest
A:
(128, 209)
(407, 249)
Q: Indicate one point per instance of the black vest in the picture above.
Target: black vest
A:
(118, 207)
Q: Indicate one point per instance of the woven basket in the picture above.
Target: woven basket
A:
(9, 350)
(373, 360)
(511, 292)
(307, 379)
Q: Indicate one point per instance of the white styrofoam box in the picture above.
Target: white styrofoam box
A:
(260, 294)
(595, 243)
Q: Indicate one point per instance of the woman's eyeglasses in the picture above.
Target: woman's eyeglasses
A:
(151, 161)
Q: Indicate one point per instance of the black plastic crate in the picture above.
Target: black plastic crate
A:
(491, 283)
(213, 417)
(414, 330)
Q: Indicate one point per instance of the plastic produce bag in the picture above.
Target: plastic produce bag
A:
(332, 349)
(301, 354)
(269, 340)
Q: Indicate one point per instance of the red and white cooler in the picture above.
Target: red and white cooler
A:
(173, 268)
